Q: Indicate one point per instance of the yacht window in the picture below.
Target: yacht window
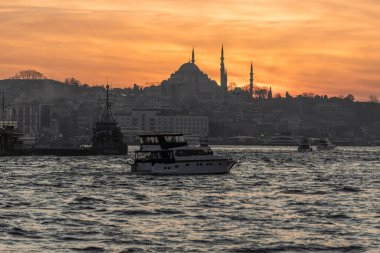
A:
(164, 155)
(154, 155)
(174, 139)
(190, 152)
(145, 156)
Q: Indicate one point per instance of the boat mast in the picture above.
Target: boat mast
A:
(107, 114)
(107, 104)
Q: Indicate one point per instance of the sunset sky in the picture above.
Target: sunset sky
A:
(321, 46)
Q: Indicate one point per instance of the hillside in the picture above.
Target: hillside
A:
(25, 91)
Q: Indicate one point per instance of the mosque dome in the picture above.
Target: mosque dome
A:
(188, 68)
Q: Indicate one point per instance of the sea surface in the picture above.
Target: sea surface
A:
(273, 200)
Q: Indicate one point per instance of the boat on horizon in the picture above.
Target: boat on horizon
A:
(325, 144)
(169, 154)
(304, 146)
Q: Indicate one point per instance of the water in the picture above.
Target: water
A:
(274, 200)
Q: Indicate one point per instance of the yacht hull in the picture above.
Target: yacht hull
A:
(221, 166)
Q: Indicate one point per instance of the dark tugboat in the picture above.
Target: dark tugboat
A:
(107, 138)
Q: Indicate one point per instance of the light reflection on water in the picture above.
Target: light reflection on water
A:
(274, 199)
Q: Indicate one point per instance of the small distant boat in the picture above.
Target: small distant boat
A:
(304, 146)
(374, 143)
(325, 144)
(170, 154)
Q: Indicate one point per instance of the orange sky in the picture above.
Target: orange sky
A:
(322, 46)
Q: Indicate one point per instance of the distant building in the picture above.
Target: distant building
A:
(150, 120)
(5, 123)
(27, 117)
(45, 116)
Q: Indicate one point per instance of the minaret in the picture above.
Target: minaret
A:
(223, 75)
(251, 81)
(3, 107)
(270, 96)
(225, 80)
(192, 57)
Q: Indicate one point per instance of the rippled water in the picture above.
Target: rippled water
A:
(274, 199)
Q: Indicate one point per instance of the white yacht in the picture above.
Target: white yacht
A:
(170, 154)
(325, 144)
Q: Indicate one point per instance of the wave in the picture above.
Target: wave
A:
(349, 189)
(23, 233)
(89, 249)
(301, 248)
(85, 199)
(133, 250)
(134, 212)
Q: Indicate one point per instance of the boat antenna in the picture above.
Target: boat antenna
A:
(107, 114)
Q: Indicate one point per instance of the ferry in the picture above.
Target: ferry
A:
(283, 139)
(171, 155)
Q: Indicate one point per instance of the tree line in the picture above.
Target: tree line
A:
(258, 92)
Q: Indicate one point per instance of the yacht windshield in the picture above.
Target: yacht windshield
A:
(174, 139)
(149, 140)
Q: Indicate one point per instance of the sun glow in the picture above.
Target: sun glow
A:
(325, 47)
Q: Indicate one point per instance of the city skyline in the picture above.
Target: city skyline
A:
(324, 47)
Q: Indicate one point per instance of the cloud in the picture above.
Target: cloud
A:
(321, 46)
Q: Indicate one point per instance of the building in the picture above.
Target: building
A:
(45, 113)
(27, 117)
(140, 121)
(5, 123)
(190, 82)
